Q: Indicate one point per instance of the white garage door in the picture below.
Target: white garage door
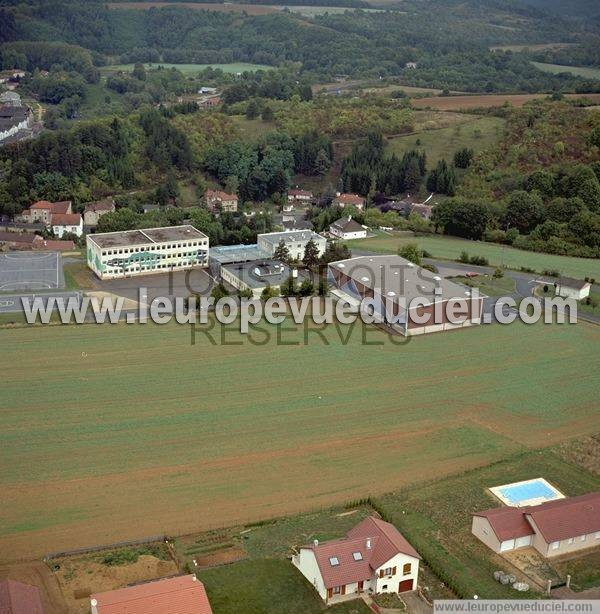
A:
(507, 545)
(523, 541)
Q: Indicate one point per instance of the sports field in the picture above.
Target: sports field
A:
(117, 432)
(450, 248)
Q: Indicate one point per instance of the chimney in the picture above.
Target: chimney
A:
(349, 217)
(368, 543)
(315, 543)
(94, 605)
(338, 193)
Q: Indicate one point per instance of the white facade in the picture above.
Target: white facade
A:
(59, 230)
(141, 252)
(398, 574)
(23, 125)
(295, 241)
(347, 236)
(572, 292)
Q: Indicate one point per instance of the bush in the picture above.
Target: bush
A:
(464, 257)
(478, 261)
(551, 272)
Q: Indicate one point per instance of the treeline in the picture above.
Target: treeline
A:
(276, 84)
(262, 170)
(368, 170)
(449, 40)
(586, 54)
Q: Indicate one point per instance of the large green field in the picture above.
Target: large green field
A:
(478, 134)
(134, 424)
(589, 72)
(190, 69)
(450, 248)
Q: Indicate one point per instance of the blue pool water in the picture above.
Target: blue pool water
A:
(531, 490)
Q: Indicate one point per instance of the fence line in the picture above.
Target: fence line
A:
(136, 542)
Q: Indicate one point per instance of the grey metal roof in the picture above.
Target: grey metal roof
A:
(227, 254)
(260, 273)
(395, 277)
(291, 236)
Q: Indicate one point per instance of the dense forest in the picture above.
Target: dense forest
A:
(449, 40)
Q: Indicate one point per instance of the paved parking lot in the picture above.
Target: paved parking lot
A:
(31, 271)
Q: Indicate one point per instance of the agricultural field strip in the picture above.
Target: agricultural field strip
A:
(216, 453)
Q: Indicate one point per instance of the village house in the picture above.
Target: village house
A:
(343, 200)
(179, 595)
(42, 211)
(567, 287)
(373, 557)
(95, 210)
(346, 228)
(67, 223)
(218, 200)
(299, 196)
(553, 528)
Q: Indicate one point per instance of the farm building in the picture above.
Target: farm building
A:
(19, 598)
(95, 210)
(373, 557)
(256, 275)
(410, 299)
(218, 200)
(343, 200)
(180, 595)
(152, 250)
(346, 228)
(555, 528)
(567, 287)
(42, 211)
(295, 241)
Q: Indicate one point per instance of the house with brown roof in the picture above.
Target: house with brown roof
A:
(346, 228)
(219, 200)
(67, 223)
(343, 200)
(373, 557)
(19, 598)
(179, 595)
(95, 210)
(300, 196)
(20, 240)
(43, 210)
(553, 528)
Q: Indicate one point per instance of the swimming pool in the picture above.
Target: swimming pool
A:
(527, 492)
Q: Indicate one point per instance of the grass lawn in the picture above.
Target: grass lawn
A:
(478, 134)
(193, 429)
(252, 129)
(584, 571)
(589, 72)
(489, 286)
(436, 518)
(189, 69)
(592, 305)
(450, 248)
(274, 586)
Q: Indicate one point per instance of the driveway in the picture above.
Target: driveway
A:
(414, 603)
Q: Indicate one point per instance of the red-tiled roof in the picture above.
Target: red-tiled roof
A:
(565, 518)
(58, 207)
(19, 598)
(507, 522)
(555, 520)
(181, 595)
(350, 199)
(66, 219)
(385, 542)
(56, 245)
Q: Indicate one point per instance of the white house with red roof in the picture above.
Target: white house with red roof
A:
(179, 595)
(553, 528)
(373, 557)
(67, 223)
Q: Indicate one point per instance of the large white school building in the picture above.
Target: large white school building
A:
(113, 255)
